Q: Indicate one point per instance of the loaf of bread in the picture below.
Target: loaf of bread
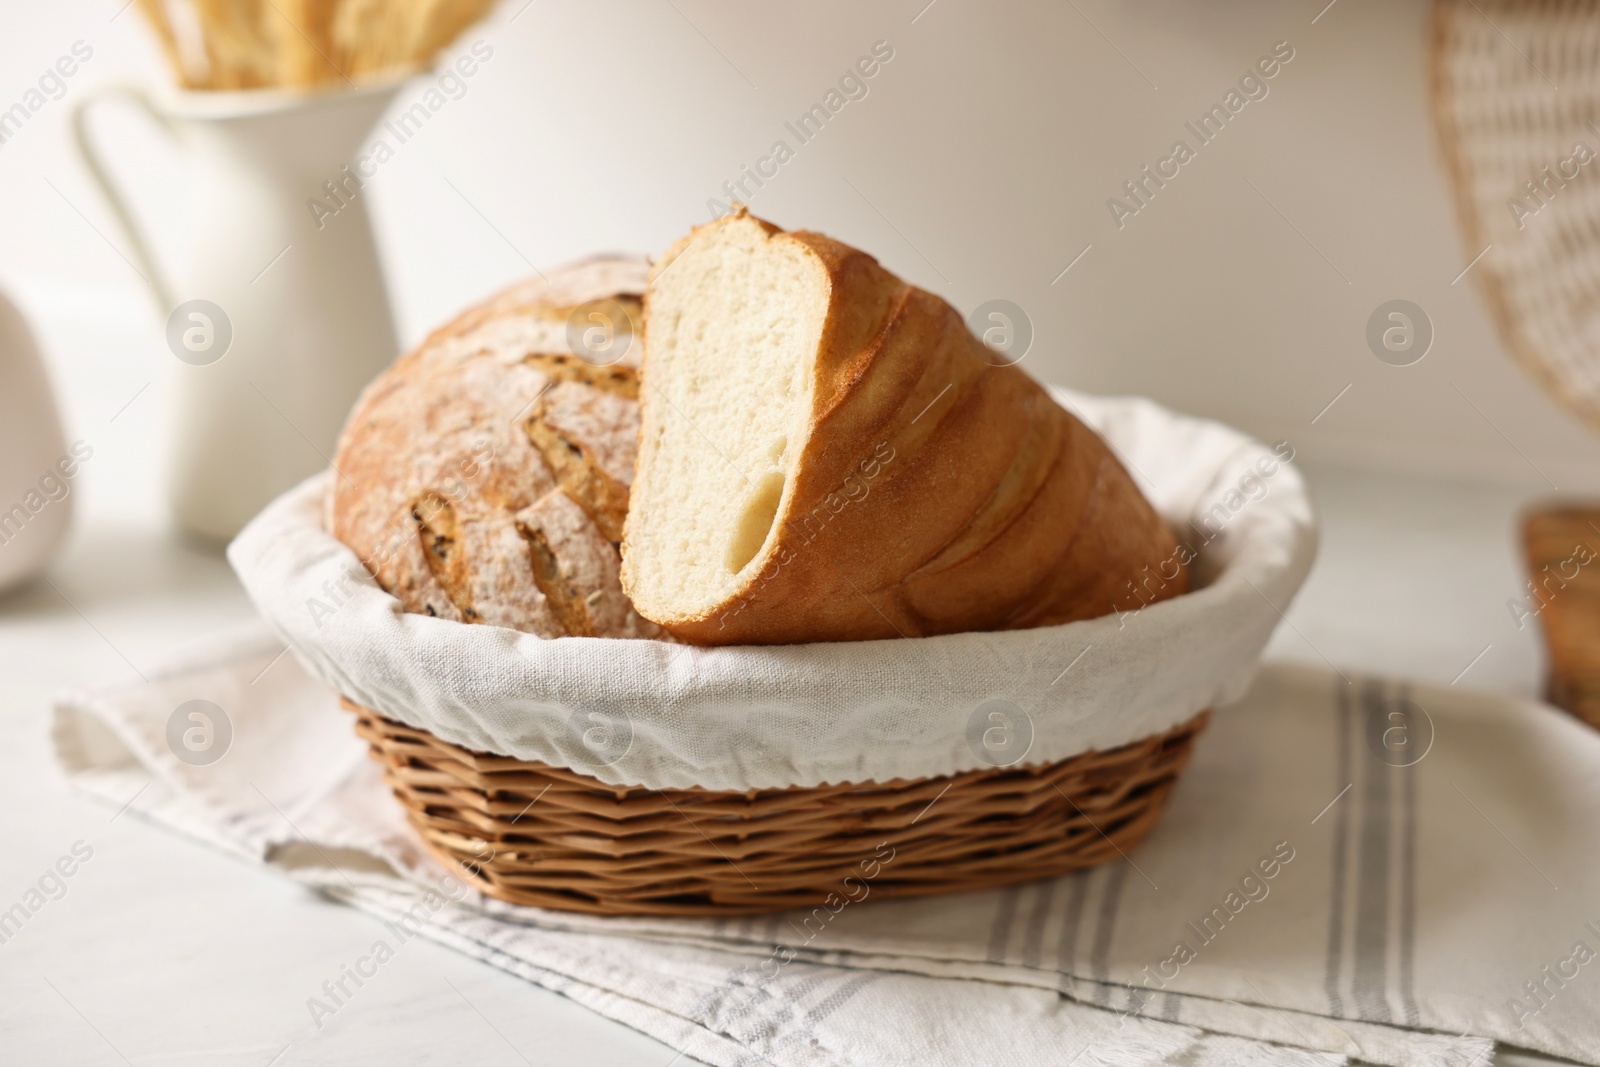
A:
(484, 477)
(828, 454)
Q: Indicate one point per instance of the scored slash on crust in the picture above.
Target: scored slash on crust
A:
(494, 465)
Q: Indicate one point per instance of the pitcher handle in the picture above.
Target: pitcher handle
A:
(95, 162)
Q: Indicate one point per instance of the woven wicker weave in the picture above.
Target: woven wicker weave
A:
(1562, 549)
(533, 834)
(1516, 95)
(1514, 91)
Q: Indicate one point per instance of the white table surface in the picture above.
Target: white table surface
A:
(165, 953)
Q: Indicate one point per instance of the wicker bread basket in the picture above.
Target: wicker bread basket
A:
(547, 836)
(761, 778)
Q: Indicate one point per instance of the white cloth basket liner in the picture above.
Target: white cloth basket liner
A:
(665, 716)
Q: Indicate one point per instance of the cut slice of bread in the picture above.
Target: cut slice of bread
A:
(827, 453)
(733, 332)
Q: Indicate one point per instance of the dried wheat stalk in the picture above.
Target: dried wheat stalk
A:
(246, 44)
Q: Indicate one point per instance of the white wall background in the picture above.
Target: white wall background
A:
(978, 166)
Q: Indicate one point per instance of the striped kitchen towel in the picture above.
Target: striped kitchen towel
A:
(1350, 868)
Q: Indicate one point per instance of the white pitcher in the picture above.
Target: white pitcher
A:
(36, 467)
(281, 315)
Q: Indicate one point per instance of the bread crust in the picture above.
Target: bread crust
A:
(483, 477)
(935, 491)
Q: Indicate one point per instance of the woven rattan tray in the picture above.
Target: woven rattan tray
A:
(550, 837)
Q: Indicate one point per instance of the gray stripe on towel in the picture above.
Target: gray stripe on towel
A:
(804, 1031)
(1370, 971)
(1033, 933)
(1344, 739)
(1000, 928)
(1408, 890)
(1116, 875)
(1067, 948)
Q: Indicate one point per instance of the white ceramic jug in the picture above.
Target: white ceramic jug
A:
(281, 314)
(36, 467)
